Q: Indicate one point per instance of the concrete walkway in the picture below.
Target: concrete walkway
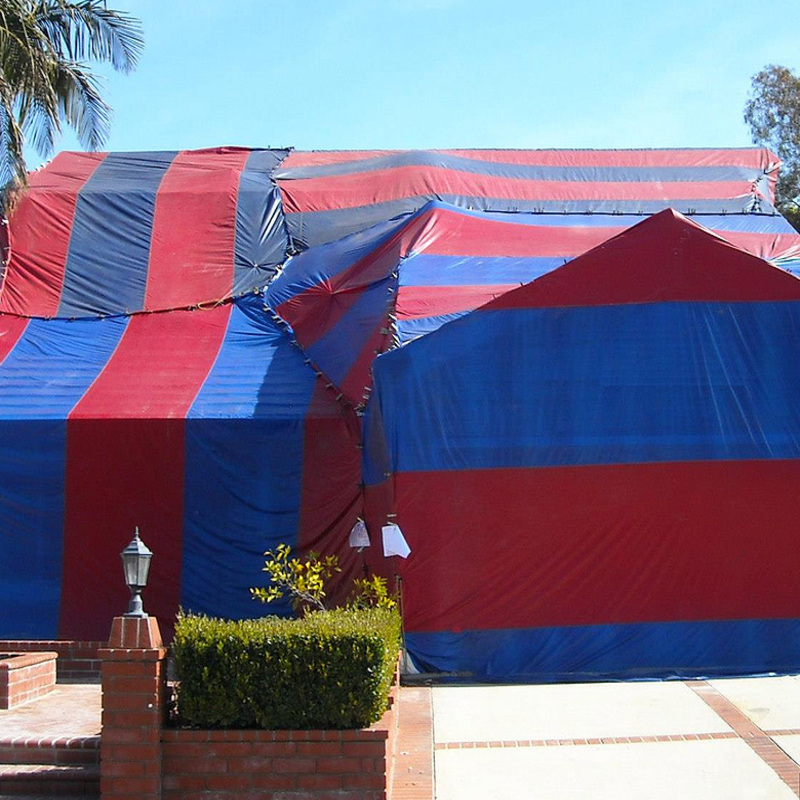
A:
(732, 739)
(735, 739)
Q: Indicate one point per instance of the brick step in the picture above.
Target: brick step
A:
(60, 751)
(50, 780)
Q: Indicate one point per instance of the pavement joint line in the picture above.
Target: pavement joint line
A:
(758, 740)
(605, 740)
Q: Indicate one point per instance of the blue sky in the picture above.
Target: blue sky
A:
(351, 74)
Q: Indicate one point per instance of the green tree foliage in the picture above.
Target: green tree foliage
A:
(772, 112)
(303, 579)
(44, 79)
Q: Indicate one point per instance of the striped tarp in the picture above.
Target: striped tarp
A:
(188, 340)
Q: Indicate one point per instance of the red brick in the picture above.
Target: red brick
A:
(184, 783)
(274, 749)
(228, 782)
(366, 749)
(124, 769)
(318, 748)
(128, 701)
(270, 781)
(248, 764)
(338, 765)
(193, 765)
(374, 781)
(229, 749)
(121, 735)
(138, 684)
(319, 781)
(293, 764)
(130, 752)
(132, 719)
(137, 786)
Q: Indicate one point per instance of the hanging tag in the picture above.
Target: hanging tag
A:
(394, 543)
(358, 535)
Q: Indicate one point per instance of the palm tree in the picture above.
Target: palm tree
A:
(44, 80)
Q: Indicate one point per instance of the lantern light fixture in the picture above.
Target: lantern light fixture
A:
(136, 564)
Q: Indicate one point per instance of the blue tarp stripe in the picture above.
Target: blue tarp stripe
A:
(41, 380)
(532, 172)
(109, 249)
(32, 470)
(410, 329)
(261, 236)
(435, 270)
(599, 385)
(53, 364)
(312, 228)
(608, 652)
(257, 374)
(244, 464)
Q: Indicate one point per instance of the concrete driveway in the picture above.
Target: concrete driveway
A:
(695, 740)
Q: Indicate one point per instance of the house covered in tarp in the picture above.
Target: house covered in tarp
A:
(597, 471)
(191, 342)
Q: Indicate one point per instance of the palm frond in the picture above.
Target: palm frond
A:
(87, 30)
(82, 106)
(12, 162)
(44, 79)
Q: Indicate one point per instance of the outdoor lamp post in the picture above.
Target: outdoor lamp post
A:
(136, 563)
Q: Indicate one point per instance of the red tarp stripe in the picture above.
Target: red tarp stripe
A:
(331, 491)
(120, 473)
(359, 376)
(158, 367)
(751, 158)
(598, 545)
(11, 329)
(39, 235)
(323, 158)
(133, 414)
(675, 246)
(467, 235)
(415, 302)
(367, 188)
(194, 229)
(764, 245)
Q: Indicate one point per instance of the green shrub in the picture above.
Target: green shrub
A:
(330, 669)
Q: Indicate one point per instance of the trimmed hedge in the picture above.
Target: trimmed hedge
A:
(330, 669)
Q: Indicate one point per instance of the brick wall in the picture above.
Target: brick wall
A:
(142, 759)
(25, 677)
(76, 660)
(345, 765)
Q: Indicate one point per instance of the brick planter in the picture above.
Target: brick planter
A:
(143, 759)
(25, 676)
(313, 764)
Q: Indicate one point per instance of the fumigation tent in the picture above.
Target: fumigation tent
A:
(206, 344)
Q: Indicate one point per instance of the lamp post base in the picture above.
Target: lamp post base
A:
(135, 633)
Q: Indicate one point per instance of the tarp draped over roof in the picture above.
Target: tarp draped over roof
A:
(329, 195)
(350, 299)
(117, 233)
(188, 340)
